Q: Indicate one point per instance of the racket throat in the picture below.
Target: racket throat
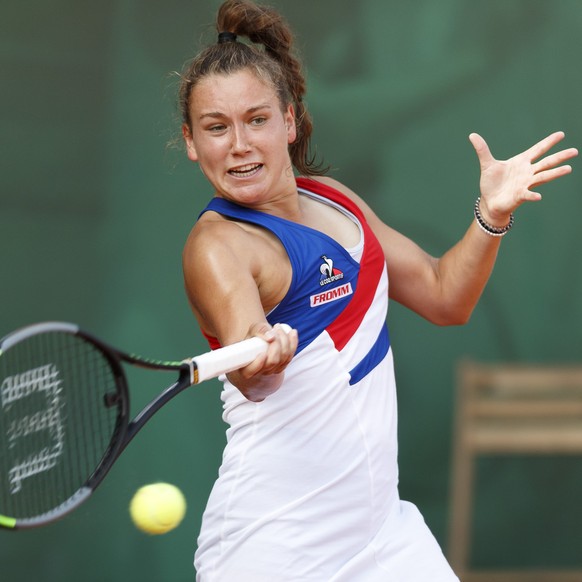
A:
(112, 399)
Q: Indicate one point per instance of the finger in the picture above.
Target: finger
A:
(262, 330)
(265, 364)
(481, 149)
(285, 333)
(282, 350)
(549, 175)
(255, 367)
(543, 146)
(554, 160)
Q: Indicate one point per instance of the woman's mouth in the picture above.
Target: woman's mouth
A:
(245, 171)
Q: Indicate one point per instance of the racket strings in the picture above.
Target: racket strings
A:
(54, 425)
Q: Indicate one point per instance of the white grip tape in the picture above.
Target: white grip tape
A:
(232, 357)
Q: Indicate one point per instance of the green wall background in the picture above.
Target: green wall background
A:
(95, 207)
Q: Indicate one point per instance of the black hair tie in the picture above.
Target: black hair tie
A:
(226, 37)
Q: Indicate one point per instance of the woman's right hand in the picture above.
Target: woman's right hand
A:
(264, 375)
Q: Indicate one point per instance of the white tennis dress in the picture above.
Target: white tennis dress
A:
(308, 486)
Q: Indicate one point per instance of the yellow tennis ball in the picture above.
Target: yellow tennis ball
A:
(157, 508)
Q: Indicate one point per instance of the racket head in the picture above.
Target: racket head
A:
(64, 412)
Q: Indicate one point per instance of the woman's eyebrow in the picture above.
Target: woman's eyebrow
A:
(219, 115)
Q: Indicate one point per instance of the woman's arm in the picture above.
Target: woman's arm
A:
(223, 270)
(445, 290)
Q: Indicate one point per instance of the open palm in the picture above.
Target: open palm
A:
(505, 184)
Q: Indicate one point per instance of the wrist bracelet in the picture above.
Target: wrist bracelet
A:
(489, 228)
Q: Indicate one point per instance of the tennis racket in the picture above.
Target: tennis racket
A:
(64, 414)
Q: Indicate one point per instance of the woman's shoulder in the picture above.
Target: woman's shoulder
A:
(329, 183)
(325, 180)
(334, 185)
(213, 233)
(215, 236)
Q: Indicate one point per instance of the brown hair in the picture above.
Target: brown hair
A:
(274, 63)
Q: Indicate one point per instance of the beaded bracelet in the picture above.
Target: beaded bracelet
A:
(489, 228)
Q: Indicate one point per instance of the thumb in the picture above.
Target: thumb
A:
(481, 149)
(263, 330)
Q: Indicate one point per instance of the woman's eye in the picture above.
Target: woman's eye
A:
(259, 121)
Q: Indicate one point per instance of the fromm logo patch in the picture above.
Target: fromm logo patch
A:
(331, 295)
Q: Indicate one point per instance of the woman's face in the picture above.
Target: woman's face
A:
(240, 138)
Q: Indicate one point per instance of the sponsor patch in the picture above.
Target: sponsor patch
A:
(329, 273)
(331, 295)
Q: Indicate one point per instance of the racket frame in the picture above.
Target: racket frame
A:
(124, 431)
(191, 371)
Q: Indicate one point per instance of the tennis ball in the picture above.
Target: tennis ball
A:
(157, 508)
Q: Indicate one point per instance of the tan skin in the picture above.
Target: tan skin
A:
(235, 273)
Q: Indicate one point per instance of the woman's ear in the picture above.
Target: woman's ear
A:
(190, 149)
(290, 123)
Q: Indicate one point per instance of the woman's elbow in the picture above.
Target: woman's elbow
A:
(457, 314)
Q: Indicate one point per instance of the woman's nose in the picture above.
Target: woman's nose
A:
(240, 140)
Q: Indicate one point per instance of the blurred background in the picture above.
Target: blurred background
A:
(96, 200)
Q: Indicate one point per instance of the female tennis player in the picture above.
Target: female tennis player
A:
(308, 486)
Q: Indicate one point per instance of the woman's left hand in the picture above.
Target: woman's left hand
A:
(505, 184)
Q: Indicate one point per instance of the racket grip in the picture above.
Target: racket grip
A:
(229, 358)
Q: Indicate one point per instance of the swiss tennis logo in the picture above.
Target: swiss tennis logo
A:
(329, 273)
(331, 295)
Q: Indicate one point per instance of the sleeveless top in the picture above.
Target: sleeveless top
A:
(309, 476)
